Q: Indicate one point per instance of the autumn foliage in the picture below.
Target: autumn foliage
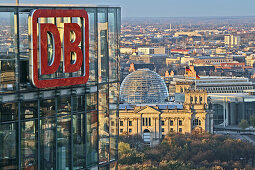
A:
(189, 151)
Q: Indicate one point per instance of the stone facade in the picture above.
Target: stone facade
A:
(157, 121)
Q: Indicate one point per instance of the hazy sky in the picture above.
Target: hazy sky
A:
(167, 8)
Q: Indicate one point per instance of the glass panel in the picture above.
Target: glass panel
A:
(8, 112)
(91, 136)
(28, 110)
(92, 47)
(23, 33)
(24, 51)
(78, 141)
(113, 134)
(103, 124)
(64, 105)
(28, 145)
(113, 166)
(47, 108)
(8, 144)
(113, 94)
(102, 46)
(78, 103)
(47, 143)
(64, 142)
(112, 44)
(106, 167)
(113, 105)
(7, 48)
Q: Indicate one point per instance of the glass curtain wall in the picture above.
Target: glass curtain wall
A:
(66, 127)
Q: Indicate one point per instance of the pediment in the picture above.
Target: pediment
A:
(150, 110)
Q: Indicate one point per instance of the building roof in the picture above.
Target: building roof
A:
(143, 87)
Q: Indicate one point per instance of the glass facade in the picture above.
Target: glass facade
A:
(72, 127)
(143, 87)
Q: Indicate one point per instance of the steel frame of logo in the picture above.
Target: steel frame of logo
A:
(34, 55)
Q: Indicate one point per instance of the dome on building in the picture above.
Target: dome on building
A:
(143, 87)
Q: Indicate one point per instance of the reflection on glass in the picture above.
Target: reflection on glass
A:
(113, 134)
(8, 145)
(64, 142)
(28, 145)
(79, 103)
(113, 166)
(47, 107)
(92, 122)
(103, 124)
(7, 74)
(92, 47)
(64, 105)
(47, 143)
(113, 105)
(78, 141)
(112, 44)
(8, 112)
(28, 110)
(102, 46)
(7, 49)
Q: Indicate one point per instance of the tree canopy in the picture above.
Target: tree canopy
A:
(190, 151)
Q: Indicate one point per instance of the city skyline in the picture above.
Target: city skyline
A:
(164, 8)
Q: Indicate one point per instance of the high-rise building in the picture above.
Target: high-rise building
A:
(232, 40)
(62, 118)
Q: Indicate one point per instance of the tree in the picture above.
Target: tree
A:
(124, 148)
(243, 124)
(252, 120)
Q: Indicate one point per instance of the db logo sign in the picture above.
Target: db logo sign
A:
(59, 48)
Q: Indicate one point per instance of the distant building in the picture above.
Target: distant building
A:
(127, 50)
(232, 40)
(189, 34)
(154, 121)
(249, 60)
(207, 60)
(145, 110)
(151, 50)
(230, 109)
(213, 84)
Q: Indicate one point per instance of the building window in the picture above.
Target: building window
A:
(180, 130)
(180, 122)
(171, 122)
(162, 122)
(112, 130)
(121, 130)
(112, 123)
(163, 130)
(146, 121)
(121, 123)
(196, 122)
(129, 130)
(130, 123)
(171, 130)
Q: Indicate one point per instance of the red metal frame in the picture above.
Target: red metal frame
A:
(59, 81)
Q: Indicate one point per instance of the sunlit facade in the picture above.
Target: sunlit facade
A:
(72, 127)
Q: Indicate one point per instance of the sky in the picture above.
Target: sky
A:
(166, 8)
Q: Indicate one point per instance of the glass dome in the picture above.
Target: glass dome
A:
(143, 87)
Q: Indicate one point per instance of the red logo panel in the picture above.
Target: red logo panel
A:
(39, 58)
